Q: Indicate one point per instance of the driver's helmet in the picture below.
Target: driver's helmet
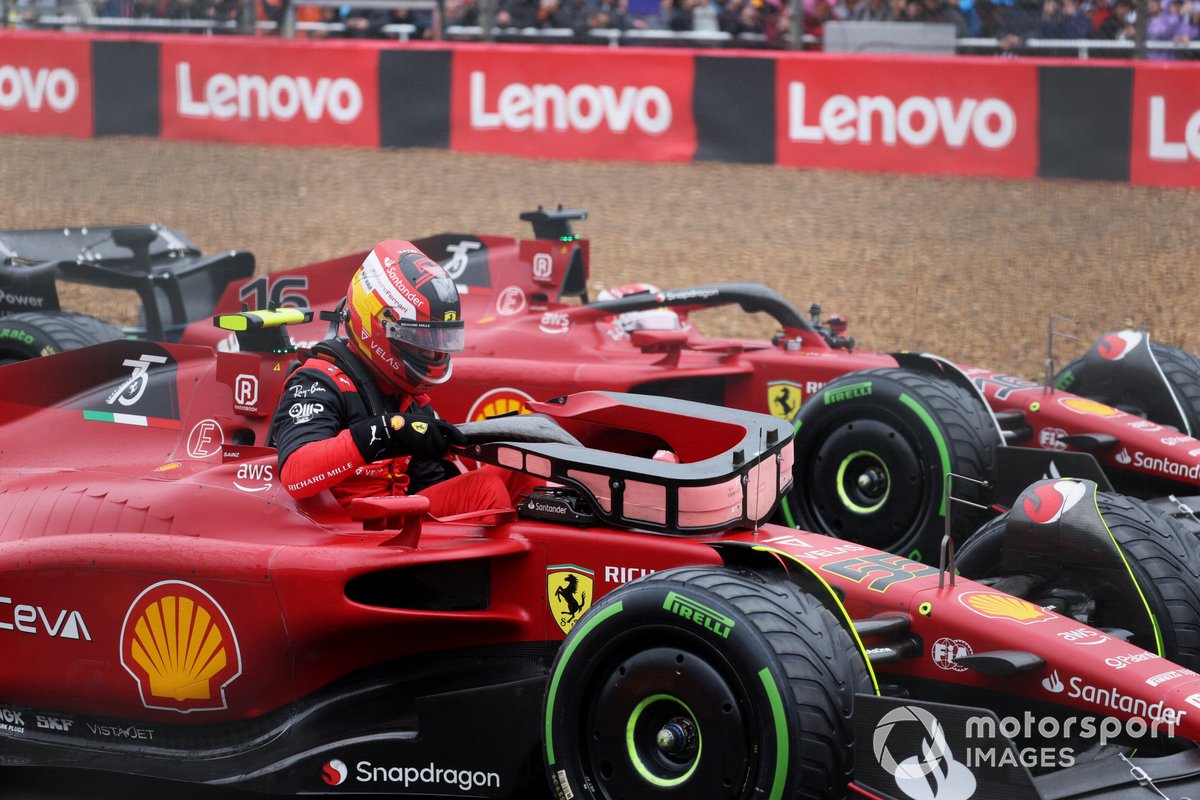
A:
(651, 319)
(403, 317)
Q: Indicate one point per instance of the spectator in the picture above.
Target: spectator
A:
(950, 11)
(518, 14)
(466, 15)
(1119, 24)
(1170, 25)
(184, 9)
(1063, 19)
(1017, 22)
(677, 14)
(1097, 11)
(871, 11)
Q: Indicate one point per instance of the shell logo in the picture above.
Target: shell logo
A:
(1083, 406)
(497, 402)
(178, 644)
(1002, 606)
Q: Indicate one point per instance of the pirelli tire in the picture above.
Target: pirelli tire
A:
(1163, 556)
(872, 452)
(704, 683)
(32, 334)
(1180, 368)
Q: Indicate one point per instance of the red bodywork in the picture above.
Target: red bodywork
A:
(154, 570)
(527, 339)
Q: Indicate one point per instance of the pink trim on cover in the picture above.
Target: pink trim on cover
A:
(646, 502)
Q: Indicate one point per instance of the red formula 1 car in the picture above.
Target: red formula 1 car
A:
(635, 629)
(875, 448)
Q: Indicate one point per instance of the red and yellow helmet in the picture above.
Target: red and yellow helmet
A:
(403, 316)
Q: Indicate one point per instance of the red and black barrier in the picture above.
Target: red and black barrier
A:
(1020, 118)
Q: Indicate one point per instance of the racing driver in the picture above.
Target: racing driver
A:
(353, 418)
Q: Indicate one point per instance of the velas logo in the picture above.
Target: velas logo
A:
(916, 121)
(1047, 502)
(34, 89)
(581, 107)
(1115, 346)
(280, 97)
(933, 774)
(1002, 606)
(180, 648)
(334, 772)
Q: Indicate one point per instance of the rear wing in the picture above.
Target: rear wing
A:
(176, 283)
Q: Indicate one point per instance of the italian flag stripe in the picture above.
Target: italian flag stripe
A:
(131, 419)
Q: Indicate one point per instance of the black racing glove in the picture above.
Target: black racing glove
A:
(392, 435)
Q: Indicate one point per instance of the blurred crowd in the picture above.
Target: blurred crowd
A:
(772, 22)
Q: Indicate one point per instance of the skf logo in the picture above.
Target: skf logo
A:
(245, 392)
(334, 772)
(784, 398)
(569, 593)
(1002, 606)
(180, 647)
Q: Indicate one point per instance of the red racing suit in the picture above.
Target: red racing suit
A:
(316, 452)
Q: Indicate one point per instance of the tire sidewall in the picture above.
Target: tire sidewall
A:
(20, 340)
(818, 419)
(646, 614)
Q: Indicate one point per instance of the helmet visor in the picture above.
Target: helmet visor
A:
(441, 337)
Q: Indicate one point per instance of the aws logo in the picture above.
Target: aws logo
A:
(180, 647)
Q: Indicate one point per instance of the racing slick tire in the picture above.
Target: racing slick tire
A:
(32, 335)
(704, 683)
(872, 452)
(1180, 368)
(1162, 554)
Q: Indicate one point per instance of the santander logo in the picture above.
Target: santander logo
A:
(916, 121)
(223, 96)
(1051, 500)
(582, 107)
(334, 772)
(56, 89)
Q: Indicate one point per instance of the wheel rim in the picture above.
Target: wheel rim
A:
(863, 482)
(867, 482)
(665, 722)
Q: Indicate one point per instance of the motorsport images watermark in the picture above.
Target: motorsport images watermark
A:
(951, 767)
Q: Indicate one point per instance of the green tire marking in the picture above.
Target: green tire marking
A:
(832, 595)
(783, 746)
(845, 498)
(631, 749)
(568, 651)
(938, 439)
(1158, 641)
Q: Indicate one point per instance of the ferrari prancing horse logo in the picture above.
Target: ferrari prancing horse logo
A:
(783, 399)
(569, 593)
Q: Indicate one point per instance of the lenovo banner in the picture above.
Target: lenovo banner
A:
(584, 102)
(961, 115)
(46, 84)
(269, 92)
(1165, 149)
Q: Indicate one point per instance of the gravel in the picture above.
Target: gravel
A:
(971, 269)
